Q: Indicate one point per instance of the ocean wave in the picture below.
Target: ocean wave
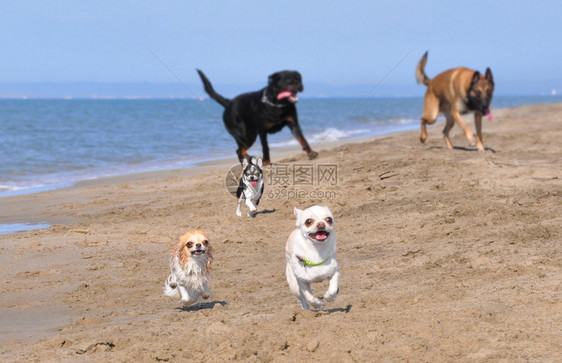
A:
(394, 121)
(324, 135)
(27, 188)
(12, 188)
(404, 121)
(47, 182)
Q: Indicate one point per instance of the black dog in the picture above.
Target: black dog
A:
(259, 113)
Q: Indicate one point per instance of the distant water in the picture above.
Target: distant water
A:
(50, 144)
(21, 227)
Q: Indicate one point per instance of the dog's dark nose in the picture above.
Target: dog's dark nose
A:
(198, 245)
(321, 225)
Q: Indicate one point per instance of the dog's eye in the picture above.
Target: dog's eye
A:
(308, 222)
(189, 244)
(329, 220)
(205, 243)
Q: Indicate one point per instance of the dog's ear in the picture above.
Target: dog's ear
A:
(260, 163)
(180, 250)
(244, 163)
(273, 78)
(475, 78)
(183, 239)
(210, 252)
(297, 214)
(489, 76)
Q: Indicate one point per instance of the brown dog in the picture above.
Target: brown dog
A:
(456, 92)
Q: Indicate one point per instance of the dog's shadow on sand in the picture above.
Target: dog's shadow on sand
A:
(463, 148)
(202, 306)
(346, 310)
(266, 211)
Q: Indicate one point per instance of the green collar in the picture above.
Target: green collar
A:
(312, 264)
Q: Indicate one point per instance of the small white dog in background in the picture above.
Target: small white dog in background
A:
(190, 265)
(311, 256)
(250, 188)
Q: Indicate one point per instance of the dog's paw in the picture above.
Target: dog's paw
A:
(172, 294)
(239, 213)
(206, 296)
(316, 304)
(252, 214)
(328, 296)
(312, 155)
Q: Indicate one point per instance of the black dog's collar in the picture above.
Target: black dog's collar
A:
(268, 102)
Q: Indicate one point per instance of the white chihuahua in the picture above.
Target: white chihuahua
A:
(311, 256)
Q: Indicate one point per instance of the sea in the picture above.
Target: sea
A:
(49, 144)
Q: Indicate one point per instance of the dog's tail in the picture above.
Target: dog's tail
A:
(421, 77)
(211, 92)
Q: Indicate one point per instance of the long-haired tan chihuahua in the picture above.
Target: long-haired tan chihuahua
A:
(190, 265)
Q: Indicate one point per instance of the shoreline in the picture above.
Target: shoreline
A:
(52, 180)
(222, 160)
(24, 221)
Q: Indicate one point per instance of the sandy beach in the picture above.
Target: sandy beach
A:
(445, 255)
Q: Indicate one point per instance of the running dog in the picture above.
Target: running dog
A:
(190, 266)
(262, 112)
(456, 92)
(311, 256)
(251, 185)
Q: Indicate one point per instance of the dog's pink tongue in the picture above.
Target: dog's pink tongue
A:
(254, 183)
(489, 115)
(321, 235)
(287, 94)
(284, 94)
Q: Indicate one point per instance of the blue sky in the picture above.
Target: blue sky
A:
(336, 43)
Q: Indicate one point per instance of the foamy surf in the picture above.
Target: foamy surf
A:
(324, 135)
